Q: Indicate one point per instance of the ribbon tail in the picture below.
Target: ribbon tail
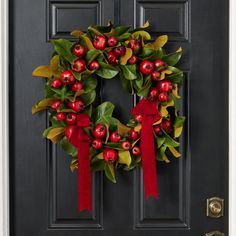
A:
(84, 177)
(148, 158)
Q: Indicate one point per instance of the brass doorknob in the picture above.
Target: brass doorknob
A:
(215, 233)
(215, 207)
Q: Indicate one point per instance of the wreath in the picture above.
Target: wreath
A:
(95, 139)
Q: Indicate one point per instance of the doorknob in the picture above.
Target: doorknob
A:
(215, 207)
(215, 233)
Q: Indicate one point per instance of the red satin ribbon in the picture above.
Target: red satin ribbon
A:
(149, 110)
(82, 141)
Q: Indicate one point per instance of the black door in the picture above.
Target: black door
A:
(43, 191)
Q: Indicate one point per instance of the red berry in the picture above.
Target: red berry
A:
(164, 86)
(157, 129)
(156, 75)
(153, 93)
(135, 45)
(61, 116)
(119, 51)
(139, 118)
(67, 77)
(99, 42)
(97, 143)
(115, 137)
(136, 151)
(78, 65)
(79, 50)
(166, 125)
(100, 131)
(110, 155)
(69, 130)
(56, 83)
(112, 41)
(133, 135)
(159, 63)
(162, 97)
(94, 65)
(77, 105)
(146, 67)
(133, 60)
(71, 119)
(126, 145)
(77, 86)
(56, 104)
(112, 58)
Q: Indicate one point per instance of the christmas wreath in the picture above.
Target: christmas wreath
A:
(95, 139)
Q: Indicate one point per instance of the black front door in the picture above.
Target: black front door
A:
(43, 191)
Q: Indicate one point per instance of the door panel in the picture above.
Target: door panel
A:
(44, 191)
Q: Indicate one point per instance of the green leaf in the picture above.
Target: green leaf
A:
(169, 142)
(158, 54)
(176, 102)
(174, 152)
(63, 48)
(87, 42)
(160, 141)
(97, 165)
(120, 30)
(146, 53)
(68, 148)
(127, 84)
(123, 37)
(106, 71)
(179, 121)
(89, 97)
(92, 55)
(146, 87)
(144, 34)
(129, 71)
(124, 157)
(138, 83)
(172, 58)
(89, 83)
(126, 57)
(104, 29)
(104, 109)
(88, 110)
(110, 172)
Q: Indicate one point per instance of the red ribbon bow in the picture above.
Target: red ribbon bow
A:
(82, 141)
(149, 110)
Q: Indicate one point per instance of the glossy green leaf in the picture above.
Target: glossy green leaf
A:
(172, 58)
(92, 55)
(179, 121)
(89, 83)
(63, 47)
(129, 71)
(120, 30)
(107, 71)
(68, 148)
(124, 157)
(89, 97)
(110, 172)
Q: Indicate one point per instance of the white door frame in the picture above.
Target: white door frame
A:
(4, 152)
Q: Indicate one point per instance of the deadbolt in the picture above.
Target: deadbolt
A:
(215, 233)
(215, 207)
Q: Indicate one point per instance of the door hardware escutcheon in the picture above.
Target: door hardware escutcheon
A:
(215, 207)
(215, 233)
